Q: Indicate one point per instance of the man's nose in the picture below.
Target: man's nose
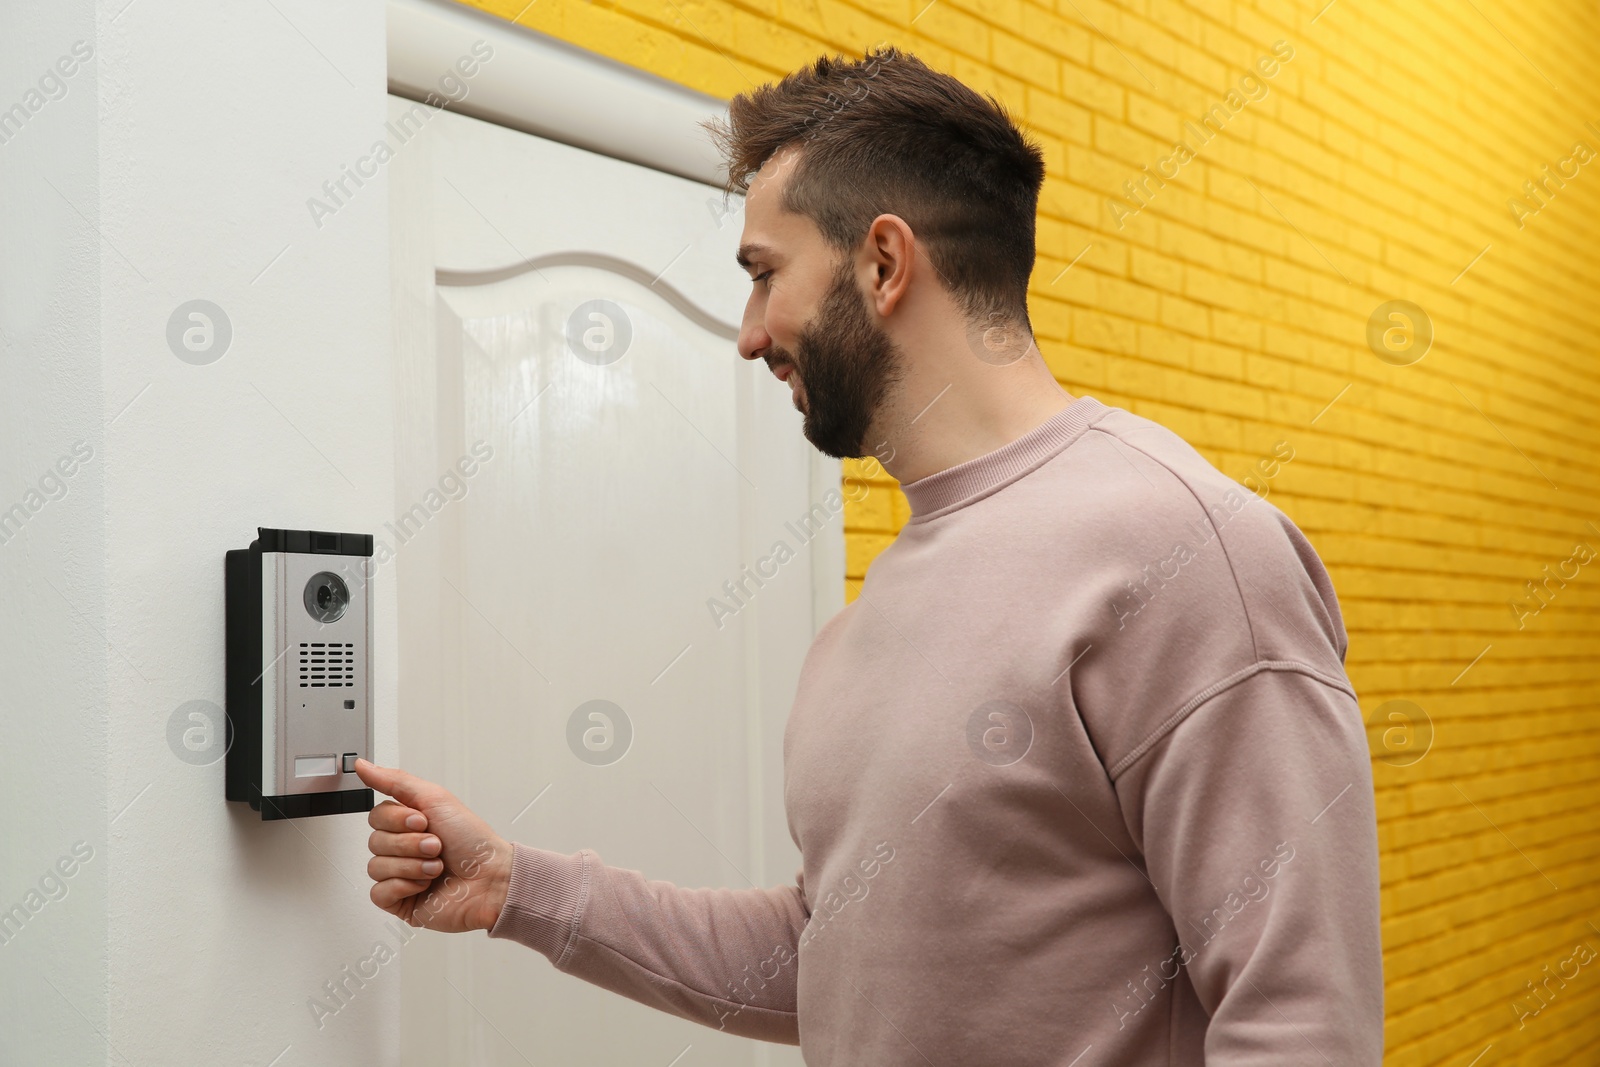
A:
(753, 338)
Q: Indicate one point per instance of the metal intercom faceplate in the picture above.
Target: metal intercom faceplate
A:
(299, 666)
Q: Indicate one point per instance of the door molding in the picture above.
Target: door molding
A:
(545, 86)
(728, 331)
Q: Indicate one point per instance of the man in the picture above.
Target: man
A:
(1079, 777)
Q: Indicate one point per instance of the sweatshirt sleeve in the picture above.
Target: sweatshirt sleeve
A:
(727, 958)
(1256, 818)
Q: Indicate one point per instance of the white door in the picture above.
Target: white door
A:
(565, 332)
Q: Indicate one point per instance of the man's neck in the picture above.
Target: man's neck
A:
(935, 425)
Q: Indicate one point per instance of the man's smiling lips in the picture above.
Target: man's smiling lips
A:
(783, 370)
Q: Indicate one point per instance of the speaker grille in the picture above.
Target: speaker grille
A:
(327, 664)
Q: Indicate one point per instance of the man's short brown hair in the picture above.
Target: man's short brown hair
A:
(886, 134)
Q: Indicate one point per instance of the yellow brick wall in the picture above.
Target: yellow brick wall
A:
(1233, 308)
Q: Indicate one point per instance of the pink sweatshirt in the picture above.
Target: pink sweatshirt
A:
(1078, 779)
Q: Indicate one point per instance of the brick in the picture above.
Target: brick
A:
(1061, 117)
(1022, 60)
(962, 33)
(1057, 35)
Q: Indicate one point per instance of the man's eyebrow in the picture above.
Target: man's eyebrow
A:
(748, 252)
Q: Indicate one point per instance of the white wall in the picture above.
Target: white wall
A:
(53, 666)
(177, 166)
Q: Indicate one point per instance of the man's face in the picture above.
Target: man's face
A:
(808, 319)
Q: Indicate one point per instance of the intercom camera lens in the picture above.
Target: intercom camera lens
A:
(327, 597)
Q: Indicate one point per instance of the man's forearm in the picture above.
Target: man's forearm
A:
(726, 958)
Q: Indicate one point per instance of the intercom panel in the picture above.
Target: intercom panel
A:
(299, 672)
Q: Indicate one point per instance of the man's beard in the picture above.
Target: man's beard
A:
(846, 365)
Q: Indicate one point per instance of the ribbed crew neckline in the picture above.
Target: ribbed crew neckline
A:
(956, 487)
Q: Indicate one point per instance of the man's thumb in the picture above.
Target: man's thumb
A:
(391, 780)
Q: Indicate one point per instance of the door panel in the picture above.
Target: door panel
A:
(614, 493)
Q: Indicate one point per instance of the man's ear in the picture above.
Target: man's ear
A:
(893, 251)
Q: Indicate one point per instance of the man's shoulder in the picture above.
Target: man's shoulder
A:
(1193, 578)
(1136, 487)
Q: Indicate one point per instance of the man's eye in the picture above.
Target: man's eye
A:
(762, 276)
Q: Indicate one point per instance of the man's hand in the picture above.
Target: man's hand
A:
(436, 864)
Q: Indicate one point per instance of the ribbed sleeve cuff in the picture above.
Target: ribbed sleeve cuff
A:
(543, 899)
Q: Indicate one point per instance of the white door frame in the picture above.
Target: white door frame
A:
(542, 85)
